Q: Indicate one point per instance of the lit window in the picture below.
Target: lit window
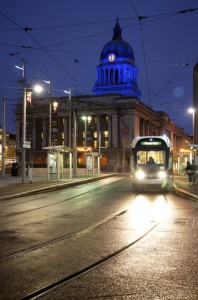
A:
(95, 134)
(106, 134)
(95, 144)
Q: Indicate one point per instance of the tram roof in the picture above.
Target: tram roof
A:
(161, 137)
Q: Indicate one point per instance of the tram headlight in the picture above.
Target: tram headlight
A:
(140, 174)
(162, 174)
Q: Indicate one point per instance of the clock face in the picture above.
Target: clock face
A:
(111, 57)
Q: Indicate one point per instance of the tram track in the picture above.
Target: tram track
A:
(98, 263)
(59, 239)
(63, 237)
(56, 203)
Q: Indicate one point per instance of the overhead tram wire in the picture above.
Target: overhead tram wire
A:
(26, 30)
(140, 23)
(183, 66)
(145, 18)
(156, 94)
(145, 62)
(163, 15)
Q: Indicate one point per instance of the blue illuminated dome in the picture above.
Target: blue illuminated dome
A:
(116, 72)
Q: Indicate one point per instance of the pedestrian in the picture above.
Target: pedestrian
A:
(189, 171)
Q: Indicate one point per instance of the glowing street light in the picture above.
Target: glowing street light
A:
(38, 88)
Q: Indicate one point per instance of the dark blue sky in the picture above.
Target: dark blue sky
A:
(165, 47)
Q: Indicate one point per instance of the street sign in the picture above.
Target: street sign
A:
(26, 145)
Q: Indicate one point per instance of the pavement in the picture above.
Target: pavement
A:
(182, 186)
(12, 186)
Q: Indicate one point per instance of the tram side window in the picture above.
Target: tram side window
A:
(157, 157)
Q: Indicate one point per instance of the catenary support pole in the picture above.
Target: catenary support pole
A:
(3, 137)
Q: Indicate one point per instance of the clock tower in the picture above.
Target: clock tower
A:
(117, 72)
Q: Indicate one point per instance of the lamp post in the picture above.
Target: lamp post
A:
(3, 138)
(74, 132)
(50, 110)
(70, 115)
(192, 111)
(24, 123)
(195, 145)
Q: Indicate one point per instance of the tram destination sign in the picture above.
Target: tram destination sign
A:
(151, 143)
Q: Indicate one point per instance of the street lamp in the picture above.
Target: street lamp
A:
(74, 133)
(50, 110)
(38, 89)
(70, 115)
(24, 143)
(3, 137)
(194, 145)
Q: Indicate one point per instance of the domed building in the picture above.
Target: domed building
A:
(117, 72)
(106, 121)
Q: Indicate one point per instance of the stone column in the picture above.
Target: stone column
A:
(44, 133)
(98, 133)
(115, 133)
(110, 131)
(33, 134)
(66, 132)
(135, 126)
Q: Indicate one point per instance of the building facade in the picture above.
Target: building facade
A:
(9, 150)
(106, 121)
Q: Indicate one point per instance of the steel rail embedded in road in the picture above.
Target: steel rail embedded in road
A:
(75, 275)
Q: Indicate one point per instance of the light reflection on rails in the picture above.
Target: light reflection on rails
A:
(134, 211)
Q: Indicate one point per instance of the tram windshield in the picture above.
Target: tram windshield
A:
(154, 159)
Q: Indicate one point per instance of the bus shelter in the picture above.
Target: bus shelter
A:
(55, 159)
(90, 159)
(90, 163)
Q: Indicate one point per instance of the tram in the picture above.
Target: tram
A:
(151, 163)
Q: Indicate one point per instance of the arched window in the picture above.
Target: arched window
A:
(102, 77)
(106, 76)
(116, 76)
(111, 76)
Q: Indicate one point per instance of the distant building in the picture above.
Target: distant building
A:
(10, 148)
(114, 115)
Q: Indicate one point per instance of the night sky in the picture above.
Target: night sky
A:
(62, 40)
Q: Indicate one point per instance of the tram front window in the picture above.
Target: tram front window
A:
(151, 158)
